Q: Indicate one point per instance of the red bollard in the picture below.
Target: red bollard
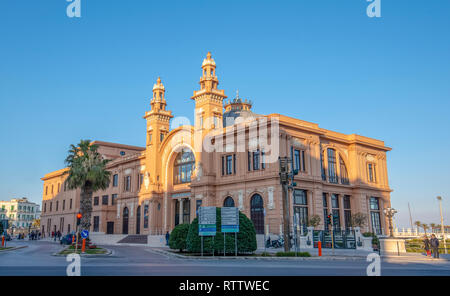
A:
(3, 240)
(73, 239)
(319, 246)
(83, 247)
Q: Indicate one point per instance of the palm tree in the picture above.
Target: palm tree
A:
(425, 227)
(87, 171)
(433, 226)
(418, 224)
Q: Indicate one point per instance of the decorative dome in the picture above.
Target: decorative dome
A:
(237, 108)
(158, 85)
(209, 60)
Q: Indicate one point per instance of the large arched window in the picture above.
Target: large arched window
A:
(337, 170)
(228, 202)
(344, 174)
(257, 213)
(183, 167)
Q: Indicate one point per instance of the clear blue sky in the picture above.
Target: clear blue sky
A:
(325, 61)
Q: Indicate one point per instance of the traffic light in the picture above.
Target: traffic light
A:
(329, 219)
(79, 218)
(335, 220)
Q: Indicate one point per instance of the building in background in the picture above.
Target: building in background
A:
(20, 212)
(156, 187)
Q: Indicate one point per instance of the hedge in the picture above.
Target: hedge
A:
(246, 237)
(177, 239)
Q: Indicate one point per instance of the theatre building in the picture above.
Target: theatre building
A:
(222, 160)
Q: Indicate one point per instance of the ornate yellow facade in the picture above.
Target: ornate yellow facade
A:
(220, 161)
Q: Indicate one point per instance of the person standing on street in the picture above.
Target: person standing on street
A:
(434, 242)
(426, 246)
(167, 238)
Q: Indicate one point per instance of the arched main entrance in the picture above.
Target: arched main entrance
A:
(125, 221)
(257, 213)
(138, 220)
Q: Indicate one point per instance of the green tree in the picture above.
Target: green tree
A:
(87, 171)
(358, 220)
(314, 221)
(246, 237)
(177, 239)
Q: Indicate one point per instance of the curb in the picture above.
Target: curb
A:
(354, 258)
(14, 248)
(108, 253)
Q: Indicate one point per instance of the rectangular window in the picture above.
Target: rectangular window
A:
(161, 137)
(64, 205)
(229, 162)
(51, 204)
(347, 212)
(45, 207)
(335, 211)
(127, 183)
(105, 200)
(371, 172)
(256, 160)
(297, 160)
(263, 159)
(145, 216)
(234, 163)
(113, 199)
(375, 214)
(115, 180)
(300, 197)
(223, 165)
(249, 161)
(70, 204)
(198, 204)
(95, 200)
(335, 201)
(303, 161)
(96, 225)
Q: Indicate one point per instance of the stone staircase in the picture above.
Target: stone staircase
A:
(134, 239)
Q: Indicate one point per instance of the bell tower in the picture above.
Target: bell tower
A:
(158, 118)
(209, 99)
(158, 126)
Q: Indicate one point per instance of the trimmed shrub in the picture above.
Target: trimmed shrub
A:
(246, 238)
(292, 254)
(177, 239)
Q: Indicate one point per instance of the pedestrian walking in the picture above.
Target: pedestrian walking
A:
(167, 238)
(434, 242)
(426, 245)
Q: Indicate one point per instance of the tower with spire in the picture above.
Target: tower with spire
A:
(208, 100)
(158, 126)
(158, 118)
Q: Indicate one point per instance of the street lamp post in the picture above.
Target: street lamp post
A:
(390, 212)
(439, 198)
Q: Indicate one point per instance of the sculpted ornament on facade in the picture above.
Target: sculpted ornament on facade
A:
(146, 180)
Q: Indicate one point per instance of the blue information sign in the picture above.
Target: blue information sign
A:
(84, 234)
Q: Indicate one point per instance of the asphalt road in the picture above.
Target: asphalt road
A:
(36, 260)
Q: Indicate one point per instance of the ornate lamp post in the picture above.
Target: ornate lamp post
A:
(390, 212)
(442, 223)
